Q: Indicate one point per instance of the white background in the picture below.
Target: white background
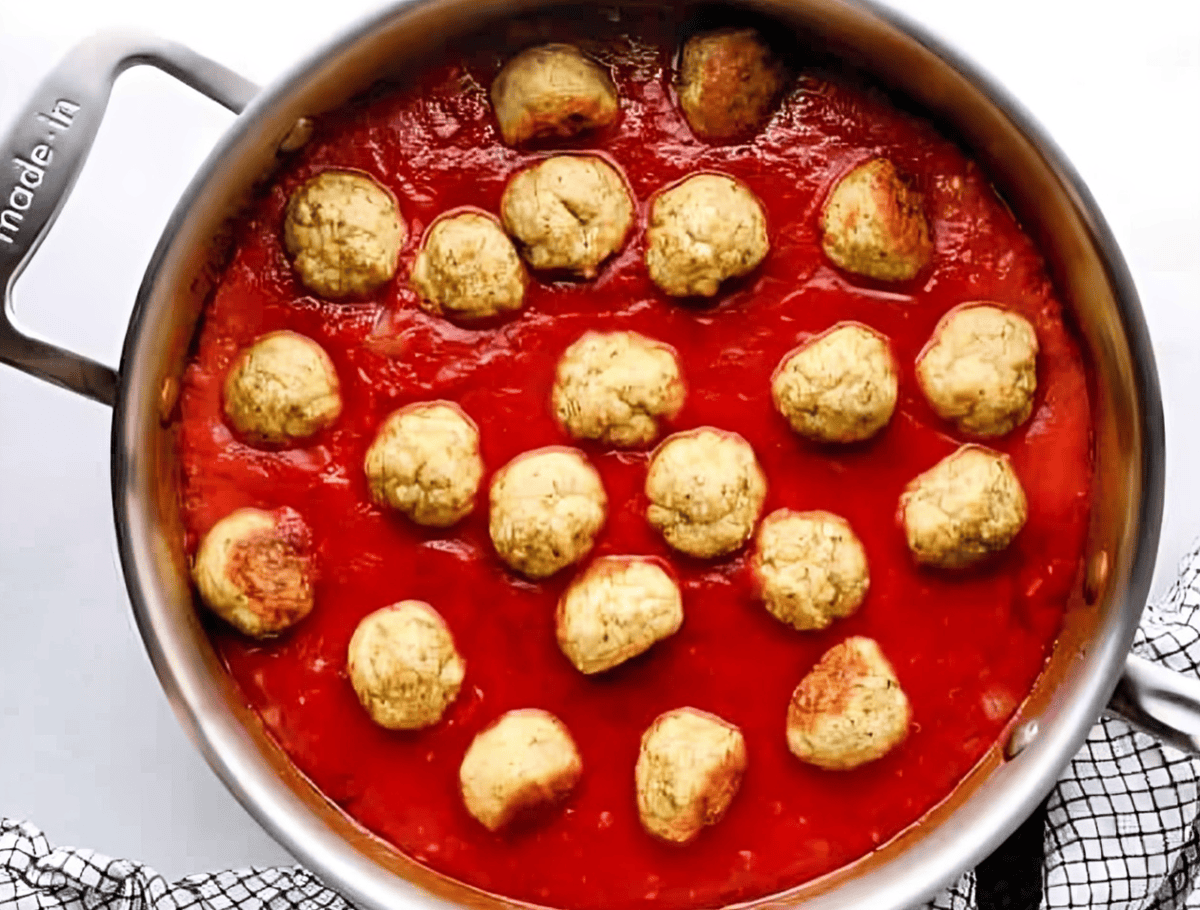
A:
(89, 750)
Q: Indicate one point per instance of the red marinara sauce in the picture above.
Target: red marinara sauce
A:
(966, 647)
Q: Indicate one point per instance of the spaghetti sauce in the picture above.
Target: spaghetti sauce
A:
(966, 647)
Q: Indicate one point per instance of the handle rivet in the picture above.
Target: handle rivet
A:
(297, 136)
(1021, 738)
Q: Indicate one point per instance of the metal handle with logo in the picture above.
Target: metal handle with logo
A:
(42, 157)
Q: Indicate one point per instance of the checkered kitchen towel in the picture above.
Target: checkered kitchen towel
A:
(1119, 832)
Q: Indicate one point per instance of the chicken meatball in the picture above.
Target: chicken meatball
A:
(254, 569)
(404, 666)
(688, 770)
(523, 762)
(811, 567)
(281, 389)
(546, 508)
(849, 709)
(616, 610)
(980, 369)
(344, 234)
(966, 507)
(703, 231)
(468, 269)
(615, 386)
(729, 82)
(839, 387)
(873, 224)
(425, 463)
(568, 213)
(706, 491)
(552, 90)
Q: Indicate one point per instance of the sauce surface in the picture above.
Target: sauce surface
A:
(965, 646)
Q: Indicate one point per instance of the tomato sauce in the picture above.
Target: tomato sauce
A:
(966, 647)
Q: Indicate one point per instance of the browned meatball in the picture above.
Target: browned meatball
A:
(729, 82)
(552, 90)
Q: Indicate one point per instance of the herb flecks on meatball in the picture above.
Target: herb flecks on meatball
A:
(702, 232)
(254, 569)
(282, 389)
(615, 387)
(874, 224)
(979, 370)
(524, 762)
(849, 709)
(404, 667)
(839, 387)
(344, 234)
(568, 213)
(617, 609)
(688, 770)
(552, 90)
(729, 82)
(963, 509)
(468, 269)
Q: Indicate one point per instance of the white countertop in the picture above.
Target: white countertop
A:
(89, 749)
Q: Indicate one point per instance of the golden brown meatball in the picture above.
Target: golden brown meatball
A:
(838, 387)
(688, 770)
(568, 213)
(254, 570)
(425, 462)
(552, 90)
(344, 234)
(616, 610)
(811, 567)
(403, 666)
(468, 269)
(706, 491)
(615, 386)
(524, 761)
(966, 507)
(281, 389)
(547, 506)
(849, 709)
(703, 231)
(729, 82)
(874, 224)
(980, 369)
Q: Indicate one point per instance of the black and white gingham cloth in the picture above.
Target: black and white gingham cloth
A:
(1119, 832)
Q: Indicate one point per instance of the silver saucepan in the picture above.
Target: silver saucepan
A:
(1090, 668)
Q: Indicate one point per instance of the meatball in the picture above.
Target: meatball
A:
(688, 771)
(281, 389)
(568, 213)
(874, 224)
(966, 507)
(425, 462)
(849, 709)
(706, 491)
(615, 386)
(546, 508)
(706, 229)
(344, 234)
(729, 82)
(839, 387)
(254, 569)
(552, 90)
(404, 666)
(811, 567)
(980, 369)
(526, 760)
(468, 269)
(616, 610)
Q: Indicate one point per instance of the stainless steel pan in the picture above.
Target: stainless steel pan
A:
(1090, 670)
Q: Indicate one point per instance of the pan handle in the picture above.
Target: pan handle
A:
(1160, 702)
(44, 152)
